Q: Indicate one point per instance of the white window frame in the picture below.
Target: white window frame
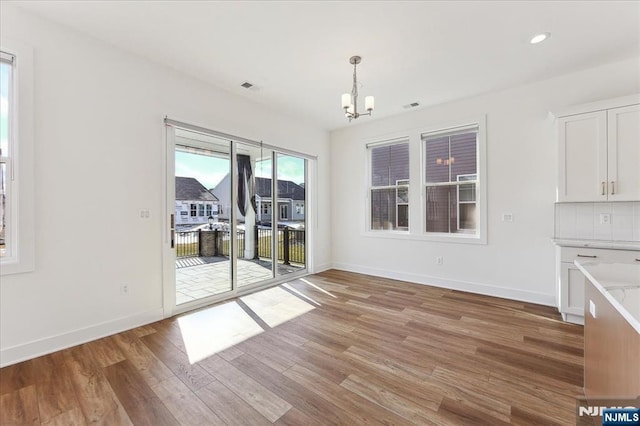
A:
(475, 178)
(417, 185)
(369, 149)
(480, 236)
(266, 207)
(20, 235)
(401, 184)
(284, 209)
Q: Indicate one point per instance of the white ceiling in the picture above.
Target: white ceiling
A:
(297, 52)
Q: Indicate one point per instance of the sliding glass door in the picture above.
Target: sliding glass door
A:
(291, 200)
(201, 220)
(238, 215)
(253, 218)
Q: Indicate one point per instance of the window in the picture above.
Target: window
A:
(209, 210)
(266, 208)
(194, 210)
(200, 209)
(389, 186)
(7, 105)
(402, 203)
(299, 209)
(467, 202)
(452, 181)
(17, 207)
(284, 211)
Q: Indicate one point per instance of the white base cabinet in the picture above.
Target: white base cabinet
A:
(571, 282)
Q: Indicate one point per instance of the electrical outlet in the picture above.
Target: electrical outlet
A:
(507, 217)
(605, 218)
(439, 260)
(145, 214)
(124, 290)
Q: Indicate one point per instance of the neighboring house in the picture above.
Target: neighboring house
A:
(291, 200)
(194, 204)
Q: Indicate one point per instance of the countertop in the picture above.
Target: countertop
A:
(602, 244)
(619, 283)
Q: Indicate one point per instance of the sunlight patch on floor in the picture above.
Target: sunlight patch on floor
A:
(212, 330)
(276, 306)
(300, 294)
(318, 288)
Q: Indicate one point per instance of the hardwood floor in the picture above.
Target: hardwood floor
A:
(367, 350)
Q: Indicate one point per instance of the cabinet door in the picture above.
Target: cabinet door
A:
(624, 153)
(582, 142)
(571, 290)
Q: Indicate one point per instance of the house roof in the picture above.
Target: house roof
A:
(188, 188)
(286, 189)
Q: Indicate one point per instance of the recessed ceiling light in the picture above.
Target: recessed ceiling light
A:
(539, 38)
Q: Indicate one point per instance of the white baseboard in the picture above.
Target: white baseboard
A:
(471, 287)
(322, 267)
(36, 348)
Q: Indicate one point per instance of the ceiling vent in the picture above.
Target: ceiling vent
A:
(411, 105)
(247, 85)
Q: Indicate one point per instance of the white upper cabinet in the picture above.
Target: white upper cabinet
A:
(599, 153)
(624, 153)
(582, 157)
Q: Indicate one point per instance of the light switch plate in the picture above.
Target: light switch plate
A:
(592, 308)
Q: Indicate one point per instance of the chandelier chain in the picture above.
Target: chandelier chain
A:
(354, 90)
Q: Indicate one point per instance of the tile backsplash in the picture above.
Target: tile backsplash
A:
(619, 221)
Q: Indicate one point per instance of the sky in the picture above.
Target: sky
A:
(209, 171)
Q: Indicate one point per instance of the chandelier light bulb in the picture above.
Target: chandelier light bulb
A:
(346, 100)
(369, 103)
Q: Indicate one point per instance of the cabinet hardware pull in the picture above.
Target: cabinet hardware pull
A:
(584, 255)
(613, 187)
(637, 260)
(604, 192)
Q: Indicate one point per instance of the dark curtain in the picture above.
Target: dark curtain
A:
(246, 185)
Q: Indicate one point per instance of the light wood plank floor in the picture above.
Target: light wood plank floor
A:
(367, 350)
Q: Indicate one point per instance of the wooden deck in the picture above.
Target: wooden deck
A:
(368, 351)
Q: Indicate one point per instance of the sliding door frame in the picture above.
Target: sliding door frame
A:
(168, 201)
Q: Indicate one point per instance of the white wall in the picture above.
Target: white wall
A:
(518, 261)
(98, 159)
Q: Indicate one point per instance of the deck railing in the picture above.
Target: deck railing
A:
(291, 244)
(187, 244)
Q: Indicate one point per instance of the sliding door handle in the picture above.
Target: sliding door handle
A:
(172, 230)
(604, 191)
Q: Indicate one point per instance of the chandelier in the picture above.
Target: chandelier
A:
(350, 100)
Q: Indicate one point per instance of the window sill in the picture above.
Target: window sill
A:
(441, 238)
(11, 266)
